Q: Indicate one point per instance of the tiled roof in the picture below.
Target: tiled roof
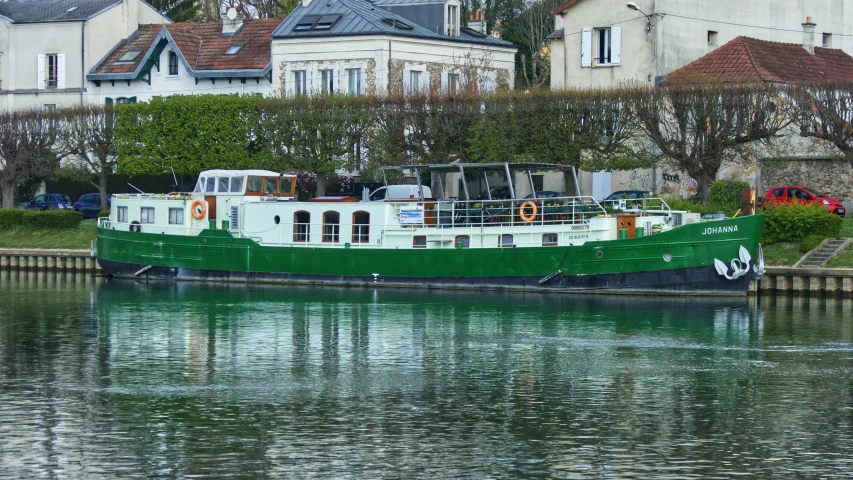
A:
(38, 11)
(141, 41)
(748, 59)
(361, 17)
(565, 6)
(201, 45)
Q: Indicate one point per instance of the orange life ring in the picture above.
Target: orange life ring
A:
(198, 209)
(532, 216)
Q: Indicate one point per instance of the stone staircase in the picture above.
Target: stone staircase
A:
(820, 255)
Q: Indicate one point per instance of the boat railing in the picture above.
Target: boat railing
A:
(628, 205)
(519, 212)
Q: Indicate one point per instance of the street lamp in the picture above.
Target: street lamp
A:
(633, 6)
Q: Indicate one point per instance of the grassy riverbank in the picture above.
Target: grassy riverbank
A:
(31, 237)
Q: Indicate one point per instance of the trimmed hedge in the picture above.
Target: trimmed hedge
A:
(10, 218)
(51, 219)
(796, 221)
(726, 196)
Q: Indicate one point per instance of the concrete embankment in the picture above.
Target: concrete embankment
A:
(47, 260)
(789, 280)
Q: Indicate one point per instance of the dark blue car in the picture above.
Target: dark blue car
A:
(90, 204)
(49, 201)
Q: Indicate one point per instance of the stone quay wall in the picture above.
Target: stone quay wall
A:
(829, 176)
(48, 260)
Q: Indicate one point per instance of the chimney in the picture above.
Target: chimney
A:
(808, 35)
(477, 22)
(232, 21)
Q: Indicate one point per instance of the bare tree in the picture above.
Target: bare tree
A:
(87, 144)
(26, 138)
(824, 112)
(697, 128)
(528, 30)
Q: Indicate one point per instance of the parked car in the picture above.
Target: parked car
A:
(800, 194)
(546, 194)
(498, 193)
(49, 201)
(627, 195)
(90, 204)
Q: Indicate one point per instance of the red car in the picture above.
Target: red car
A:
(796, 193)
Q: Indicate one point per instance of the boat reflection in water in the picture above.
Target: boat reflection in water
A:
(216, 381)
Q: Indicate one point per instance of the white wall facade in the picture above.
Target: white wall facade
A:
(494, 66)
(680, 31)
(165, 85)
(78, 46)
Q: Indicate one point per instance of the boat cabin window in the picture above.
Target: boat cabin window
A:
(236, 184)
(146, 215)
(419, 241)
(287, 186)
(301, 226)
(505, 240)
(122, 215)
(463, 241)
(210, 185)
(199, 186)
(331, 226)
(223, 185)
(549, 239)
(270, 185)
(254, 184)
(176, 216)
(360, 227)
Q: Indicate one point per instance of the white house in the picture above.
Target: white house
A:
(380, 46)
(599, 43)
(47, 46)
(231, 56)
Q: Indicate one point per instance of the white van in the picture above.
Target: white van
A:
(394, 193)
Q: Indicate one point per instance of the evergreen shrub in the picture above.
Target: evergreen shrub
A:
(57, 219)
(726, 196)
(10, 218)
(810, 242)
(796, 221)
(676, 203)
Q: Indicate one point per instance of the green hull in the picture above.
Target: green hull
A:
(683, 249)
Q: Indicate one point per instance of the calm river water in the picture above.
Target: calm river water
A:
(115, 379)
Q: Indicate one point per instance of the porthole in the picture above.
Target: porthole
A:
(667, 257)
(599, 254)
(276, 219)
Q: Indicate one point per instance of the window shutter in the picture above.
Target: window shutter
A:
(131, 100)
(108, 101)
(41, 80)
(586, 47)
(615, 45)
(445, 83)
(60, 70)
(310, 86)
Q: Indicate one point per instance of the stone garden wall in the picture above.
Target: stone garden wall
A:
(832, 177)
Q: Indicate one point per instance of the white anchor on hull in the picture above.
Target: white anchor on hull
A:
(740, 267)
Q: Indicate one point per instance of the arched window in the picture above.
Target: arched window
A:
(331, 226)
(463, 241)
(301, 226)
(360, 227)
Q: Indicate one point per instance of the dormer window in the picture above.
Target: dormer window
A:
(452, 20)
(233, 50)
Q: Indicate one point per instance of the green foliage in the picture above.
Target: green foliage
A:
(794, 222)
(190, 134)
(810, 242)
(726, 196)
(103, 214)
(54, 219)
(10, 218)
(677, 203)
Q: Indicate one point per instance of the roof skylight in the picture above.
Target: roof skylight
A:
(316, 22)
(398, 24)
(234, 49)
(129, 56)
